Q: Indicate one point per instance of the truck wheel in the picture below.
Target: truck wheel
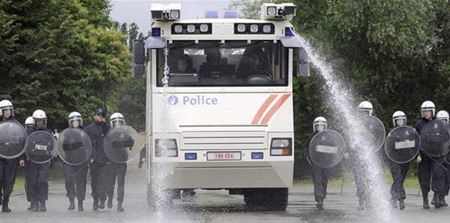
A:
(277, 199)
(272, 199)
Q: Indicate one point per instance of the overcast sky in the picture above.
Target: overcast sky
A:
(138, 11)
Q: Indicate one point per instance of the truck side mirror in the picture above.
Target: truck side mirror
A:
(303, 61)
(138, 51)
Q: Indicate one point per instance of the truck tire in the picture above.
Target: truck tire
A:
(271, 199)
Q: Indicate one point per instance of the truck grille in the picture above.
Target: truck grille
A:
(224, 140)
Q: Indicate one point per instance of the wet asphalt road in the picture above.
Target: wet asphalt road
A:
(217, 206)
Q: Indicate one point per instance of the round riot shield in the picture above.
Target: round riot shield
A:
(402, 144)
(12, 140)
(326, 149)
(74, 146)
(435, 136)
(40, 147)
(373, 132)
(120, 144)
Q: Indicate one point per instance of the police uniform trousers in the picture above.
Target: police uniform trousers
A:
(75, 177)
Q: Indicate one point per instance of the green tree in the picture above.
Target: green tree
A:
(132, 35)
(132, 103)
(97, 12)
(59, 60)
(124, 28)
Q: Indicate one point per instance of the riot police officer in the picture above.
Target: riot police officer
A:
(8, 167)
(99, 163)
(319, 174)
(398, 171)
(29, 123)
(431, 171)
(365, 109)
(37, 173)
(75, 175)
(118, 171)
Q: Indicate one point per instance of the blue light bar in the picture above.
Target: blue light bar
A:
(288, 31)
(211, 15)
(230, 15)
(190, 156)
(156, 32)
(257, 155)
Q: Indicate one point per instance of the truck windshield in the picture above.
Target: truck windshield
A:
(230, 63)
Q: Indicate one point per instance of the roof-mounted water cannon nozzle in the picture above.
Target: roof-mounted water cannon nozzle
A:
(165, 12)
(272, 11)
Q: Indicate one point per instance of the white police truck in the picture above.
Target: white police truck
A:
(220, 104)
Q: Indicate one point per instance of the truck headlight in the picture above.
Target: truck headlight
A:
(178, 28)
(166, 148)
(267, 28)
(191, 28)
(281, 147)
(204, 28)
(174, 14)
(241, 28)
(254, 28)
(271, 11)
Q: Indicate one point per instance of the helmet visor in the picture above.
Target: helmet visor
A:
(40, 123)
(400, 122)
(427, 113)
(320, 127)
(7, 113)
(118, 122)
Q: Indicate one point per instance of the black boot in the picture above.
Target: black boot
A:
(5, 208)
(319, 205)
(35, 206)
(445, 203)
(426, 205)
(401, 204)
(110, 203)
(42, 207)
(439, 201)
(71, 204)
(80, 205)
(101, 205)
(95, 205)
(119, 207)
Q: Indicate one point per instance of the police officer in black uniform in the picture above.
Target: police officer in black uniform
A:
(431, 171)
(358, 166)
(37, 174)
(118, 171)
(75, 175)
(319, 174)
(99, 163)
(398, 171)
(8, 167)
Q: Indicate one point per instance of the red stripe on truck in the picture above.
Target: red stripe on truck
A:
(263, 108)
(274, 109)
